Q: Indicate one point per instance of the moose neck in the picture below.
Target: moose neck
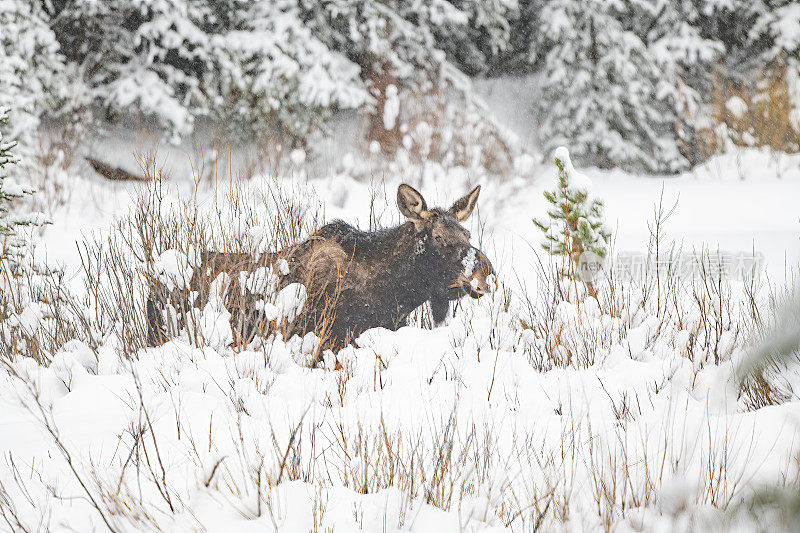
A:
(409, 265)
(399, 270)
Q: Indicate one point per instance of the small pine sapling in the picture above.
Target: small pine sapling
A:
(574, 228)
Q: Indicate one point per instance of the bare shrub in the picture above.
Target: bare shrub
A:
(752, 112)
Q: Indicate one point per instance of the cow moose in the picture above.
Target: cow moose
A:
(356, 280)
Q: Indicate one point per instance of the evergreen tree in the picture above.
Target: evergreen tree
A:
(251, 64)
(32, 73)
(139, 59)
(276, 77)
(275, 67)
(730, 23)
(574, 223)
(527, 45)
(160, 66)
(11, 243)
(776, 29)
(625, 82)
(87, 31)
(402, 48)
(671, 29)
(485, 31)
(599, 90)
(413, 39)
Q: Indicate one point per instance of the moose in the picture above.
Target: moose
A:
(356, 280)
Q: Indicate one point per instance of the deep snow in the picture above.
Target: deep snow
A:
(642, 424)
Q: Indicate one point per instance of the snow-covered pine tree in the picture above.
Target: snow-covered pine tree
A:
(484, 32)
(82, 27)
(599, 93)
(395, 55)
(574, 223)
(778, 27)
(254, 66)
(671, 30)
(160, 70)
(283, 66)
(730, 22)
(142, 59)
(778, 30)
(403, 47)
(32, 73)
(276, 77)
(527, 46)
(11, 223)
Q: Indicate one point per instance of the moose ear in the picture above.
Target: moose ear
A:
(462, 209)
(411, 203)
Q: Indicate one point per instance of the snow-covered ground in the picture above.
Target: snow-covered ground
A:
(460, 428)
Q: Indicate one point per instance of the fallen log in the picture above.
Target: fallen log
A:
(113, 173)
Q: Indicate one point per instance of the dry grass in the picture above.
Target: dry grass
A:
(751, 114)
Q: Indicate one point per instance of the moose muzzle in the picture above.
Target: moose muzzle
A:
(475, 279)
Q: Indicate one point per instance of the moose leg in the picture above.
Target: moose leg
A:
(440, 306)
(156, 335)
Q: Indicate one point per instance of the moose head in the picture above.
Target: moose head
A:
(450, 266)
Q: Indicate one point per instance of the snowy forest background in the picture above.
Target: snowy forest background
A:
(655, 86)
